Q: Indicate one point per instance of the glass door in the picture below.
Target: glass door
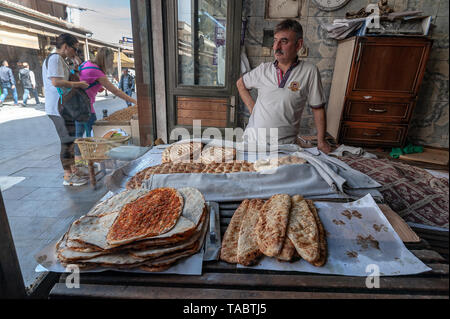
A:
(203, 45)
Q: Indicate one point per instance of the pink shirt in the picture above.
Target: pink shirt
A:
(90, 74)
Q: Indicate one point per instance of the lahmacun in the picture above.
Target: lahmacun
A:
(153, 214)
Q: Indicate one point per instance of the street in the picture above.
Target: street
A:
(38, 206)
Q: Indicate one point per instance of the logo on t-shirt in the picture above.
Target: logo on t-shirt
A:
(294, 86)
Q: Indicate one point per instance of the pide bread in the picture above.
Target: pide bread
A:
(182, 152)
(272, 224)
(248, 250)
(214, 154)
(188, 168)
(304, 235)
(229, 249)
(302, 230)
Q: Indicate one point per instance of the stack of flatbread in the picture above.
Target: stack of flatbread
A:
(196, 152)
(190, 168)
(137, 229)
(282, 227)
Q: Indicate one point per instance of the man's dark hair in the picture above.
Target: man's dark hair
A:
(290, 25)
(66, 38)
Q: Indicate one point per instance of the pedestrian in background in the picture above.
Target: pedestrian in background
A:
(7, 83)
(26, 77)
(126, 83)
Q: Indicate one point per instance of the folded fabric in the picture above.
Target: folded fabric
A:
(411, 149)
(357, 151)
(396, 152)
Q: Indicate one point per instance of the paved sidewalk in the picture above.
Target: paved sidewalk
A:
(38, 206)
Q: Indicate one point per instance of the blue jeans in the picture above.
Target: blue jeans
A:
(81, 127)
(129, 93)
(26, 94)
(5, 94)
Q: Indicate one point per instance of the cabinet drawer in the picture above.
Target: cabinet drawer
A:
(373, 134)
(389, 112)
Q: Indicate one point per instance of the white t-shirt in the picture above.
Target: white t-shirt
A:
(57, 68)
(282, 108)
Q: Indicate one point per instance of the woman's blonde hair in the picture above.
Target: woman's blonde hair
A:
(101, 59)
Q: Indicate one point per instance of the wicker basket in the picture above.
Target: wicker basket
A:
(95, 148)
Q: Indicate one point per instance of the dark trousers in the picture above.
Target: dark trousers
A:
(129, 92)
(81, 127)
(26, 94)
(66, 133)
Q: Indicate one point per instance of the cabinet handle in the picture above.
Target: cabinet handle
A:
(372, 135)
(377, 111)
(367, 97)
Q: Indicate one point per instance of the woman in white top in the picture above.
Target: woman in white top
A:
(56, 73)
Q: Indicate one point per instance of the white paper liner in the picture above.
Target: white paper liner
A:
(392, 258)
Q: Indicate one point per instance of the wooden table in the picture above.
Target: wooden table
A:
(222, 280)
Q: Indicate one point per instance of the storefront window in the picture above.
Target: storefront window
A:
(201, 42)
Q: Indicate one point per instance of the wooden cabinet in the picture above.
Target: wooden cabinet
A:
(374, 90)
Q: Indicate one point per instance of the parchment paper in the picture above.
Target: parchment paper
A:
(350, 251)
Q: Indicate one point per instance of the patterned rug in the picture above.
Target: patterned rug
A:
(416, 195)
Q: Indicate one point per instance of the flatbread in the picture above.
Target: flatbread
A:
(272, 224)
(92, 230)
(153, 214)
(248, 250)
(228, 251)
(182, 230)
(158, 251)
(288, 250)
(214, 154)
(115, 203)
(302, 230)
(323, 250)
(194, 203)
(174, 257)
(182, 152)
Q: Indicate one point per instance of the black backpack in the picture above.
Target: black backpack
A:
(74, 104)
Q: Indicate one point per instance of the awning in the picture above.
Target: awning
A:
(125, 61)
(17, 38)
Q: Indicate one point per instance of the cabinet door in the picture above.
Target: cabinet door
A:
(388, 66)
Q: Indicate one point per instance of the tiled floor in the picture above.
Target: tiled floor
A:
(38, 206)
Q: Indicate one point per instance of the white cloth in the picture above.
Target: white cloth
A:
(281, 108)
(33, 79)
(57, 68)
(358, 151)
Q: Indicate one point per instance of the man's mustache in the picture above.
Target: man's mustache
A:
(279, 51)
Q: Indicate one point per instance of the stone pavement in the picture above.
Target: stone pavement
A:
(38, 206)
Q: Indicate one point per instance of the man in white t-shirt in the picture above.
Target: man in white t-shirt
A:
(55, 75)
(284, 87)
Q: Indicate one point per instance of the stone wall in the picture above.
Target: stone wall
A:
(430, 123)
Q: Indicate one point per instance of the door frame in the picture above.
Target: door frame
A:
(233, 32)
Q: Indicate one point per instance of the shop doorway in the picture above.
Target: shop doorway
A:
(203, 45)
